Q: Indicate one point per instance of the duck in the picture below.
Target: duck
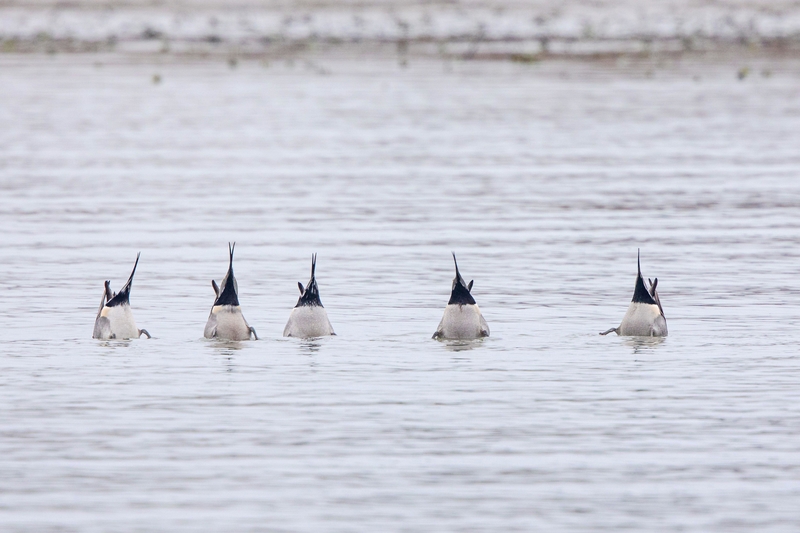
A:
(226, 320)
(462, 317)
(114, 317)
(645, 316)
(309, 319)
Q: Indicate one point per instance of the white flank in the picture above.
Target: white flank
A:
(227, 322)
(120, 325)
(643, 320)
(308, 321)
(462, 322)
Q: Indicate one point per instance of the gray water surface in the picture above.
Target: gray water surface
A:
(543, 178)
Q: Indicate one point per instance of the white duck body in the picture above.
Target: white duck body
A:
(462, 322)
(462, 317)
(309, 319)
(643, 320)
(114, 317)
(226, 320)
(116, 323)
(645, 316)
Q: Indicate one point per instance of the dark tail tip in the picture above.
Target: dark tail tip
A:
(231, 248)
(130, 279)
(638, 261)
(456, 262)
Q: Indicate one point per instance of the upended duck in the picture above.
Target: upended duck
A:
(226, 320)
(114, 317)
(645, 316)
(309, 319)
(462, 317)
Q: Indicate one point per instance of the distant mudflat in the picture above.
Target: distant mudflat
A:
(493, 29)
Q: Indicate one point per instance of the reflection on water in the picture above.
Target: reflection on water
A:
(115, 343)
(545, 178)
(643, 344)
(310, 346)
(461, 345)
(223, 346)
(226, 349)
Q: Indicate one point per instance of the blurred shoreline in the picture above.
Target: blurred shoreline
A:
(516, 31)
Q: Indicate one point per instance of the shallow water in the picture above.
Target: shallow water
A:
(544, 179)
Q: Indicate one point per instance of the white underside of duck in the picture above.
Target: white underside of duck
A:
(462, 321)
(643, 320)
(308, 321)
(227, 322)
(116, 323)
